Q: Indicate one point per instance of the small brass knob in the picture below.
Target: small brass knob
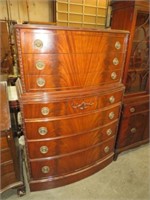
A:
(113, 75)
(43, 149)
(117, 45)
(42, 130)
(112, 99)
(133, 130)
(38, 44)
(115, 61)
(40, 65)
(106, 149)
(111, 115)
(40, 82)
(132, 110)
(45, 111)
(45, 169)
(109, 131)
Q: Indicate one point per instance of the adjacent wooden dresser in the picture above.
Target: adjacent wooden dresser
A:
(71, 100)
(10, 168)
(134, 126)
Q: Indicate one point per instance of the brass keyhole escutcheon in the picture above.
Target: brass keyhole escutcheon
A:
(109, 132)
(40, 82)
(111, 115)
(45, 111)
(43, 149)
(113, 75)
(112, 99)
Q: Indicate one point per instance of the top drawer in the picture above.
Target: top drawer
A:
(70, 41)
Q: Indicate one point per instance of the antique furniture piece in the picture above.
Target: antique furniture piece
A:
(134, 125)
(11, 169)
(71, 100)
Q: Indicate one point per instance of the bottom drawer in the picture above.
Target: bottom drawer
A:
(133, 129)
(71, 162)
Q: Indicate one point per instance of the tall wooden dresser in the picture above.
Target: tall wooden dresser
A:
(71, 100)
(134, 126)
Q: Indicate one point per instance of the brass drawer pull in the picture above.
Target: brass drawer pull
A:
(38, 44)
(117, 45)
(82, 106)
(113, 75)
(43, 149)
(106, 149)
(111, 115)
(42, 130)
(132, 110)
(109, 131)
(40, 65)
(115, 61)
(40, 82)
(45, 169)
(45, 111)
(112, 99)
(133, 130)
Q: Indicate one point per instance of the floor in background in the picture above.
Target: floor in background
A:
(128, 178)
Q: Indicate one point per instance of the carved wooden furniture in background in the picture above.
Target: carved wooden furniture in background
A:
(134, 125)
(10, 168)
(71, 100)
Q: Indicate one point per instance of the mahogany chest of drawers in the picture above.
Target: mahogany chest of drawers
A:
(71, 100)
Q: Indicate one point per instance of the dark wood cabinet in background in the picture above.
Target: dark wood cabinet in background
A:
(134, 126)
(11, 161)
(71, 100)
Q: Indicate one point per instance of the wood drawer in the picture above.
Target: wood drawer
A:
(133, 129)
(71, 162)
(7, 168)
(34, 83)
(5, 155)
(63, 145)
(66, 41)
(49, 132)
(72, 124)
(71, 106)
(53, 64)
(8, 179)
(3, 142)
(131, 109)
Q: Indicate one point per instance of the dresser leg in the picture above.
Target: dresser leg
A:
(115, 156)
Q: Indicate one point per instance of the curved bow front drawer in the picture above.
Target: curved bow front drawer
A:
(71, 106)
(73, 124)
(68, 163)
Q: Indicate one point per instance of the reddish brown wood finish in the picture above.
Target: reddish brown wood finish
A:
(82, 70)
(8, 169)
(133, 16)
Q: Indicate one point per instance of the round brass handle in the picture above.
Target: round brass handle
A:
(42, 130)
(133, 130)
(43, 149)
(117, 45)
(106, 149)
(109, 131)
(45, 111)
(113, 75)
(40, 82)
(111, 115)
(40, 65)
(115, 61)
(45, 169)
(132, 110)
(38, 44)
(112, 99)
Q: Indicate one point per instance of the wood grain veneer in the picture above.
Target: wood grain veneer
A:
(71, 100)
